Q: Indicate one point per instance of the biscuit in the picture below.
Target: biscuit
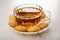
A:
(12, 23)
(43, 16)
(12, 18)
(21, 28)
(33, 29)
(43, 25)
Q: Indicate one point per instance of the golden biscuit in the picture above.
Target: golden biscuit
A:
(43, 25)
(27, 24)
(21, 28)
(43, 16)
(13, 23)
(12, 18)
(33, 29)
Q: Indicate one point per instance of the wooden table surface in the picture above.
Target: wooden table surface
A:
(53, 33)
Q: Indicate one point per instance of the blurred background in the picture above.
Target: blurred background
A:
(6, 8)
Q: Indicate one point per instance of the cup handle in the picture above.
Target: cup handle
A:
(47, 19)
(48, 16)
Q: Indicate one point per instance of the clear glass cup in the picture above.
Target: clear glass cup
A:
(28, 14)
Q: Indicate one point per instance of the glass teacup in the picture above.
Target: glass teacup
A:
(28, 14)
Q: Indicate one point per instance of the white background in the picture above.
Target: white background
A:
(6, 8)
